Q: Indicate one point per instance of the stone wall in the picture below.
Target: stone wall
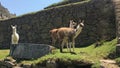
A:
(99, 19)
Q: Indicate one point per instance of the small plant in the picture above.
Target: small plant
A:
(118, 60)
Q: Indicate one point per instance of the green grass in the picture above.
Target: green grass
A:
(4, 53)
(82, 2)
(90, 54)
(65, 2)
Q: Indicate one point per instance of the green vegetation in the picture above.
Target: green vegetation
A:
(3, 54)
(118, 60)
(90, 54)
(65, 2)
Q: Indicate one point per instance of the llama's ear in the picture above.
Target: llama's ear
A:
(15, 25)
(82, 21)
(74, 23)
(11, 25)
(71, 21)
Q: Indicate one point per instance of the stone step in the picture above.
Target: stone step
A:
(117, 7)
(117, 3)
(108, 61)
(17, 67)
(118, 18)
(117, 13)
(117, 10)
(108, 64)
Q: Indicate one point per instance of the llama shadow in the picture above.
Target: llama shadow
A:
(70, 52)
(73, 53)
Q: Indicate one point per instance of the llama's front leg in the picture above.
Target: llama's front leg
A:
(70, 46)
(67, 45)
(11, 49)
(73, 44)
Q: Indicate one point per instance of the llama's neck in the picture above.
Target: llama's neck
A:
(70, 25)
(78, 31)
(14, 31)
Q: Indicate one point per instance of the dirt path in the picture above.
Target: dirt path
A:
(109, 64)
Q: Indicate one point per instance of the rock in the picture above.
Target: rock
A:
(31, 51)
(27, 66)
(118, 50)
(17, 67)
(108, 64)
(6, 64)
(10, 59)
(3, 67)
(51, 64)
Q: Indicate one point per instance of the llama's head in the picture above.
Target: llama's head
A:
(81, 24)
(79, 28)
(14, 27)
(72, 24)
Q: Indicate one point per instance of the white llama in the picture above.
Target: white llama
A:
(15, 35)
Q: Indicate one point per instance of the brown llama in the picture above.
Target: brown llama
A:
(67, 36)
(53, 32)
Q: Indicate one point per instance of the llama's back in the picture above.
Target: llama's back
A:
(53, 33)
(65, 32)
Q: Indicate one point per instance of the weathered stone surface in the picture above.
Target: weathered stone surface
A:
(10, 59)
(31, 51)
(51, 64)
(26, 66)
(118, 50)
(6, 64)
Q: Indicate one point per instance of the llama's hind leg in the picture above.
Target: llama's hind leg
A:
(62, 45)
(53, 42)
(67, 45)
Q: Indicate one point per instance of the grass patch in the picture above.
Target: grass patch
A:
(4, 53)
(90, 54)
(56, 5)
(64, 2)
